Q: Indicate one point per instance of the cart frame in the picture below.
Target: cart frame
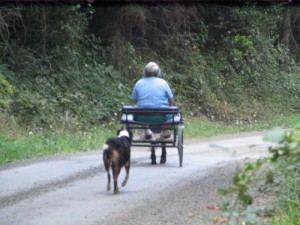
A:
(175, 125)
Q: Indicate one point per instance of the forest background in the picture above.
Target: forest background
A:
(74, 66)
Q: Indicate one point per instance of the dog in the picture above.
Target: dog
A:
(116, 154)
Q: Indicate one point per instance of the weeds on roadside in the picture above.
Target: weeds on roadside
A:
(204, 127)
(282, 180)
(17, 143)
(24, 144)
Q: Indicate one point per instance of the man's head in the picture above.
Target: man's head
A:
(152, 70)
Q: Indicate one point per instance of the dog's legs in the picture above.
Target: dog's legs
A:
(108, 182)
(116, 172)
(108, 178)
(163, 157)
(153, 156)
(107, 165)
(127, 167)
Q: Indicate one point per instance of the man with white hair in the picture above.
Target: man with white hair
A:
(150, 92)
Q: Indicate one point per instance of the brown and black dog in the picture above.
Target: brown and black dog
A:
(116, 154)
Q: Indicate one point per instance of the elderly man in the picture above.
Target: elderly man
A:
(152, 91)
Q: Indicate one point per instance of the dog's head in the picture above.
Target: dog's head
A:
(125, 133)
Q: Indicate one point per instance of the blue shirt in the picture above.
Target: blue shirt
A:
(152, 92)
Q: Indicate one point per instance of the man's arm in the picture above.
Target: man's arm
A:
(133, 102)
(171, 102)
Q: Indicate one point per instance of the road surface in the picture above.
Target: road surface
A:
(71, 189)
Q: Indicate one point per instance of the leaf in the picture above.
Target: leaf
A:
(213, 207)
(222, 191)
(246, 199)
(220, 219)
(274, 135)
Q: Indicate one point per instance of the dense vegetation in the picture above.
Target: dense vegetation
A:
(75, 65)
(279, 178)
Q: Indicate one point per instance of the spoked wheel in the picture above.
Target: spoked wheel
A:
(180, 144)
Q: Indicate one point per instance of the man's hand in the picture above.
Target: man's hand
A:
(171, 102)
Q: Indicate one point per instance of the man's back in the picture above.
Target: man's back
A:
(152, 92)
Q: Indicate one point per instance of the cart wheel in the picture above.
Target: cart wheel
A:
(180, 144)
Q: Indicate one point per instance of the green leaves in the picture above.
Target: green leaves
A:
(274, 135)
(288, 144)
(284, 159)
(6, 91)
(226, 67)
(241, 182)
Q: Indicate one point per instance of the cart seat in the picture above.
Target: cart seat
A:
(127, 113)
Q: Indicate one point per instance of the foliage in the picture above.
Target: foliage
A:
(241, 182)
(76, 66)
(247, 73)
(289, 144)
(6, 90)
(58, 72)
(282, 178)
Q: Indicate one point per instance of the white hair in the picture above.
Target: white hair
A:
(152, 70)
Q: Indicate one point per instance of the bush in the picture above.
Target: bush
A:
(6, 90)
(281, 174)
(228, 67)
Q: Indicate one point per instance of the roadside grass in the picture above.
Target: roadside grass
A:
(287, 211)
(20, 144)
(287, 204)
(290, 215)
(24, 145)
(278, 179)
(195, 127)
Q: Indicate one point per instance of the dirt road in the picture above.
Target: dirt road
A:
(71, 189)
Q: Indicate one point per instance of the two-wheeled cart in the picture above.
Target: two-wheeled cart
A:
(175, 125)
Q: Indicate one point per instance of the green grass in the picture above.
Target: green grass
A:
(287, 209)
(205, 128)
(24, 145)
(17, 144)
(289, 216)
(280, 178)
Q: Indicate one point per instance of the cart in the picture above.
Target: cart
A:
(175, 125)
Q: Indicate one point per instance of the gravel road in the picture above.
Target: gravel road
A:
(70, 189)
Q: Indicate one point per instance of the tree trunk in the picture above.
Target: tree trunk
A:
(286, 28)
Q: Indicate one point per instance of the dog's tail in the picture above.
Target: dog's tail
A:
(106, 152)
